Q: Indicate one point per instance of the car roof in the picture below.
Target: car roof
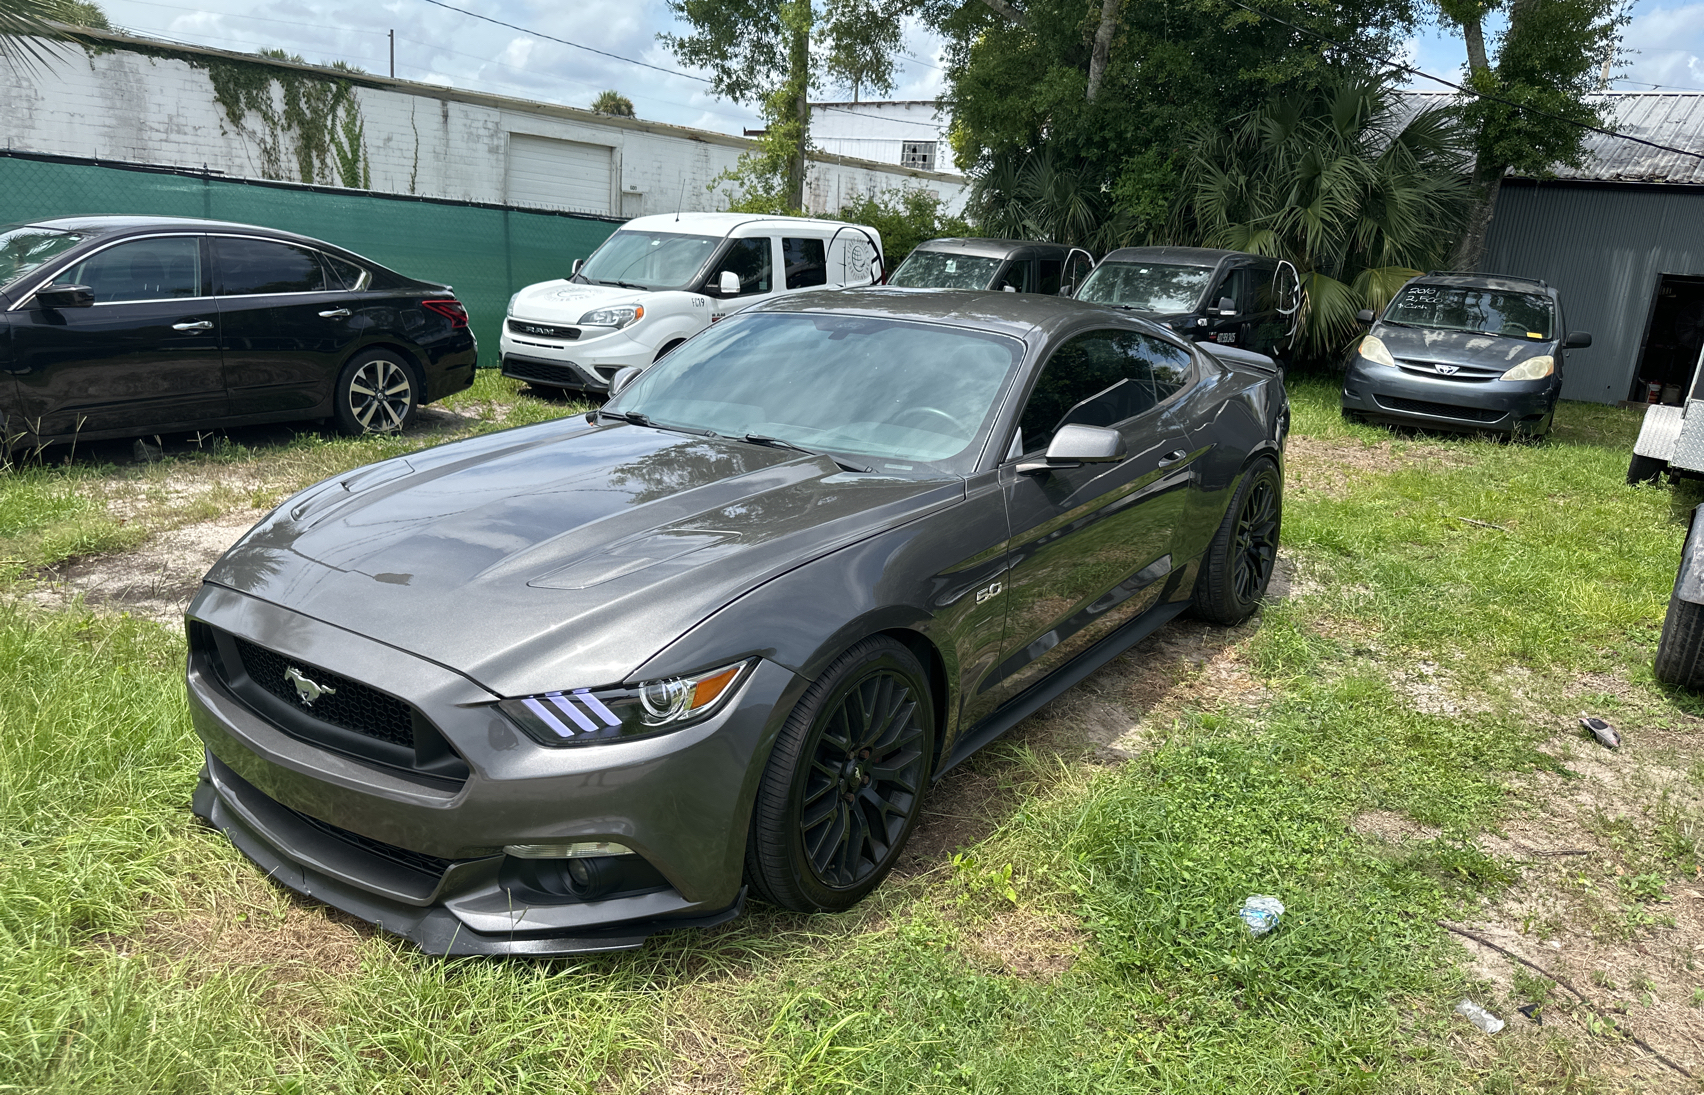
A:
(1016, 314)
(983, 245)
(720, 224)
(1506, 283)
(1179, 256)
(126, 223)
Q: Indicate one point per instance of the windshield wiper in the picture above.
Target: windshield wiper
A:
(779, 443)
(622, 284)
(640, 418)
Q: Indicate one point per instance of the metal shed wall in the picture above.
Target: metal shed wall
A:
(1603, 246)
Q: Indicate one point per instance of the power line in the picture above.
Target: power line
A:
(566, 42)
(1412, 71)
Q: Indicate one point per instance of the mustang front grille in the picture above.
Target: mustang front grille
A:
(1439, 410)
(342, 702)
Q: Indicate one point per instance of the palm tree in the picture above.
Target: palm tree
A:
(613, 103)
(1359, 195)
(1025, 194)
(25, 23)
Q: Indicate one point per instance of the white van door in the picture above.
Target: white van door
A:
(755, 261)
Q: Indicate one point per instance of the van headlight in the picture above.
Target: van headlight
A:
(511, 312)
(1373, 350)
(625, 315)
(1533, 368)
(588, 716)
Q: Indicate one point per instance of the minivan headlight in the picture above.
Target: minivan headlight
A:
(1373, 350)
(1533, 368)
(591, 716)
(512, 300)
(625, 315)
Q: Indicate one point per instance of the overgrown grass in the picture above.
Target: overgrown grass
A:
(1144, 864)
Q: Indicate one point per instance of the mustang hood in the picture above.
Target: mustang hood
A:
(559, 555)
(1461, 347)
(567, 301)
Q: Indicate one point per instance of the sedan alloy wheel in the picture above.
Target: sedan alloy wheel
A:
(376, 395)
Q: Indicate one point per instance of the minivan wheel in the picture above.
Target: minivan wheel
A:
(845, 783)
(1680, 651)
(376, 393)
(1644, 469)
(1238, 565)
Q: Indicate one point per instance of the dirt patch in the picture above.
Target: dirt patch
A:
(1392, 827)
(1332, 466)
(1026, 943)
(156, 581)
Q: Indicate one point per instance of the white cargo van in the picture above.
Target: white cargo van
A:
(660, 280)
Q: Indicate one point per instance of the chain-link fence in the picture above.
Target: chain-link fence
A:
(486, 252)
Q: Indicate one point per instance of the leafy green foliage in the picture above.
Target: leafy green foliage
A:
(904, 218)
(613, 103)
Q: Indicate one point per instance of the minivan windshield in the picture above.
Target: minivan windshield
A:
(649, 260)
(1467, 308)
(1152, 287)
(23, 247)
(945, 270)
(897, 390)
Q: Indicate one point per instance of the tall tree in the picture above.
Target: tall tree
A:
(774, 53)
(1550, 58)
(613, 103)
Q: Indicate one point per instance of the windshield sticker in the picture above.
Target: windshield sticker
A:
(952, 266)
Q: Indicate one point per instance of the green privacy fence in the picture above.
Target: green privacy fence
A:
(486, 252)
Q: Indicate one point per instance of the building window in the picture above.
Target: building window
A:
(919, 154)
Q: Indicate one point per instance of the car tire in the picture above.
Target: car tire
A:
(845, 783)
(1644, 469)
(376, 392)
(1238, 565)
(1680, 651)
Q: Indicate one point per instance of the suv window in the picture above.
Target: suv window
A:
(266, 266)
(1019, 274)
(156, 269)
(750, 260)
(1236, 286)
(1052, 270)
(806, 262)
(1101, 378)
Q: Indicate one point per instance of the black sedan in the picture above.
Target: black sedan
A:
(118, 326)
(557, 688)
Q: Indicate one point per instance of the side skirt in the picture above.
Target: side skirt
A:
(1032, 699)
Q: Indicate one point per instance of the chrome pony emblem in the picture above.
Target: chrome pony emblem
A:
(306, 691)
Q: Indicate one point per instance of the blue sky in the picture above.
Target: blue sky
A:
(1665, 43)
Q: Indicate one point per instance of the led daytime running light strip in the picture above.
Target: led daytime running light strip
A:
(561, 702)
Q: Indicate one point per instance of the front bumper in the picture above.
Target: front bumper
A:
(1398, 395)
(585, 364)
(421, 855)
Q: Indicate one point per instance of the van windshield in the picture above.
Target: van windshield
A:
(649, 260)
(944, 270)
(1156, 288)
(1482, 311)
(23, 247)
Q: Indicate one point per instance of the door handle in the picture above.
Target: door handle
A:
(334, 313)
(199, 325)
(1173, 457)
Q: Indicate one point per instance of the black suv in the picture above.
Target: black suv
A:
(1014, 266)
(1477, 352)
(1225, 297)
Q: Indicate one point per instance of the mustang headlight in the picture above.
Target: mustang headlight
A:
(625, 315)
(1533, 368)
(1374, 350)
(588, 716)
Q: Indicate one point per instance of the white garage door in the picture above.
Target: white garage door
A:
(558, 174)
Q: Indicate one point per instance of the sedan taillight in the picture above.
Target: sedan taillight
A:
(451, 309)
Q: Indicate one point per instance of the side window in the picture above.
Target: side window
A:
(1236, 286)
(265, 266)
(750, 260)
(806, 263)
(1098, 379)
(1169, 365)
(343, 274)
(1052, 271)
(157, 269)
(1019, 275)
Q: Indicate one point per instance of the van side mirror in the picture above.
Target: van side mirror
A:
(1225, 307)
(1077, 444)
(622, 378)
(575, 269)
(1365, 315)
(728, 283)
(1577, 340)
(65, 296)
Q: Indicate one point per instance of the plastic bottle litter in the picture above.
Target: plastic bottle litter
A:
(1261, 912)
(1479, 1017)
(1602, 731)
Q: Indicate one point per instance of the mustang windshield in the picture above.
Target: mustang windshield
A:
(1151, 287)
(944, 270)
(651, 260)
(23, 247)
(1482, 311)
(890, 389)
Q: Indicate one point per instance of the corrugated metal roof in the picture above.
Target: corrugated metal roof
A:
(1665, 117)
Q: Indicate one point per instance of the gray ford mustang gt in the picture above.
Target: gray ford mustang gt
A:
(555, 689)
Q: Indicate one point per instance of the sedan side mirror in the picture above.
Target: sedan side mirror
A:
(1075, 445)
(575, 269)
(1577, 340)
(1365, 315)
(729, 283)
(622, 378)
(65, 296)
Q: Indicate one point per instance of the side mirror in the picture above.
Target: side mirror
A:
(1365, 315)
(65, 296)
(1075, 445)
(622, 379)
(575, 269)
(1226, 307)
(729, 283)
(1577, 340)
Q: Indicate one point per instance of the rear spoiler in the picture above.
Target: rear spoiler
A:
(1230, 355)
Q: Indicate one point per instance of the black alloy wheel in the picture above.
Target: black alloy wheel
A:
(1239, 562)
(376, 393)
(846, 782)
